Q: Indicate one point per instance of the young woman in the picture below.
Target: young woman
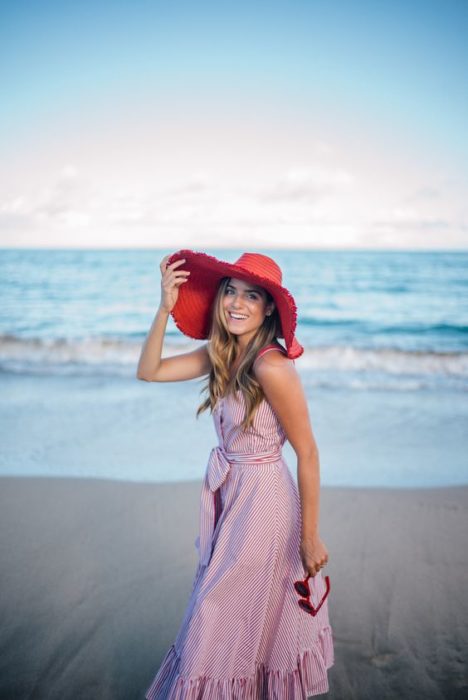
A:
(256, 625)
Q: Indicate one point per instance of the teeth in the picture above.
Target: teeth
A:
(238, 316)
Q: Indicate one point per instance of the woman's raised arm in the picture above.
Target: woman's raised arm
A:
(189, 365)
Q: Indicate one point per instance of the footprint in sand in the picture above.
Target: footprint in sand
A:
(382, 659)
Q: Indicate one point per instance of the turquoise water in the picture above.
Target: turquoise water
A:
(385, 366)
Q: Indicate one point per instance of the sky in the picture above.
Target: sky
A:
(300, 124)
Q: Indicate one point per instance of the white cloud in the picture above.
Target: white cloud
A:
(306, 184)
(423, 194)
(323, 202)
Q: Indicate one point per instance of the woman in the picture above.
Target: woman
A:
(256, 625)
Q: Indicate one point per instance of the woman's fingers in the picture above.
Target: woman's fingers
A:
(173, 276)
(169, 271)
(164, 265)
(178, 282)
(314, 554)
(171, 280)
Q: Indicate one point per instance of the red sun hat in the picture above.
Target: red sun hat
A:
(192, 313)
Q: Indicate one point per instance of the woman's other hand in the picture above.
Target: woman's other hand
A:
(314, 554)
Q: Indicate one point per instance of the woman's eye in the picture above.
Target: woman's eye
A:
(251, 295)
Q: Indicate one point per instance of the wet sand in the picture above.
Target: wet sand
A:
(95, 576)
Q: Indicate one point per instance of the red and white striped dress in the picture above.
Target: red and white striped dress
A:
(244, 636)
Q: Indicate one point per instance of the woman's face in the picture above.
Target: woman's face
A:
(248, 302)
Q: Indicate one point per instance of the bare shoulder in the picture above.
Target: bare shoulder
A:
(274, 368)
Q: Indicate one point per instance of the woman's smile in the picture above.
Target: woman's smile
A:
(237, 317)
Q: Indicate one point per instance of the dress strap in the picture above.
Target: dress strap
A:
(272, 346)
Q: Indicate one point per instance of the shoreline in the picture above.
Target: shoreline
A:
(197, 482)
(128, 430)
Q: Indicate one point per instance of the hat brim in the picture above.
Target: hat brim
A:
(192, 312)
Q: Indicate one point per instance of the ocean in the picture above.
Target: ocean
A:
(385, 366)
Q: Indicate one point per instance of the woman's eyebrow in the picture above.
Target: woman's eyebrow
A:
(247, 290)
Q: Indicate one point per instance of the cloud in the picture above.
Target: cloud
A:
(423, 194)
(66, 200)
(305, 184)
(316, 205)
(198, 184)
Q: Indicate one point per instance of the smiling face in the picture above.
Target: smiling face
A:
(245, 307)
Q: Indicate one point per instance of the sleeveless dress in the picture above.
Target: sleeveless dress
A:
(243, 635)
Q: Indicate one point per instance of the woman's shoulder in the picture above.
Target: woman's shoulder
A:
(271, 346)
(276, 371)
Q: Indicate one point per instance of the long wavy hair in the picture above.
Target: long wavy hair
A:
(223, 349)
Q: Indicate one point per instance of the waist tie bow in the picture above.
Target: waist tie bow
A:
(219, 464)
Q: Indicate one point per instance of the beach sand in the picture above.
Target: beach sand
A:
(96, 575)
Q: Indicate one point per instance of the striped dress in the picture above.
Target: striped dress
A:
(243, 635)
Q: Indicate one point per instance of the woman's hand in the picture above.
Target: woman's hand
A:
(314, 554)
(170, 282)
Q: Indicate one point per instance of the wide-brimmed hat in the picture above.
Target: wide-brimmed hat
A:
(192, 313)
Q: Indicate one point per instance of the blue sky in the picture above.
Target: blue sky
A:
(276, 115)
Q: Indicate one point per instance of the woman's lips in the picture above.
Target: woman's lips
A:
(239, 320)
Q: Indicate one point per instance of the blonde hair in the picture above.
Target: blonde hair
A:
(222, 349)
